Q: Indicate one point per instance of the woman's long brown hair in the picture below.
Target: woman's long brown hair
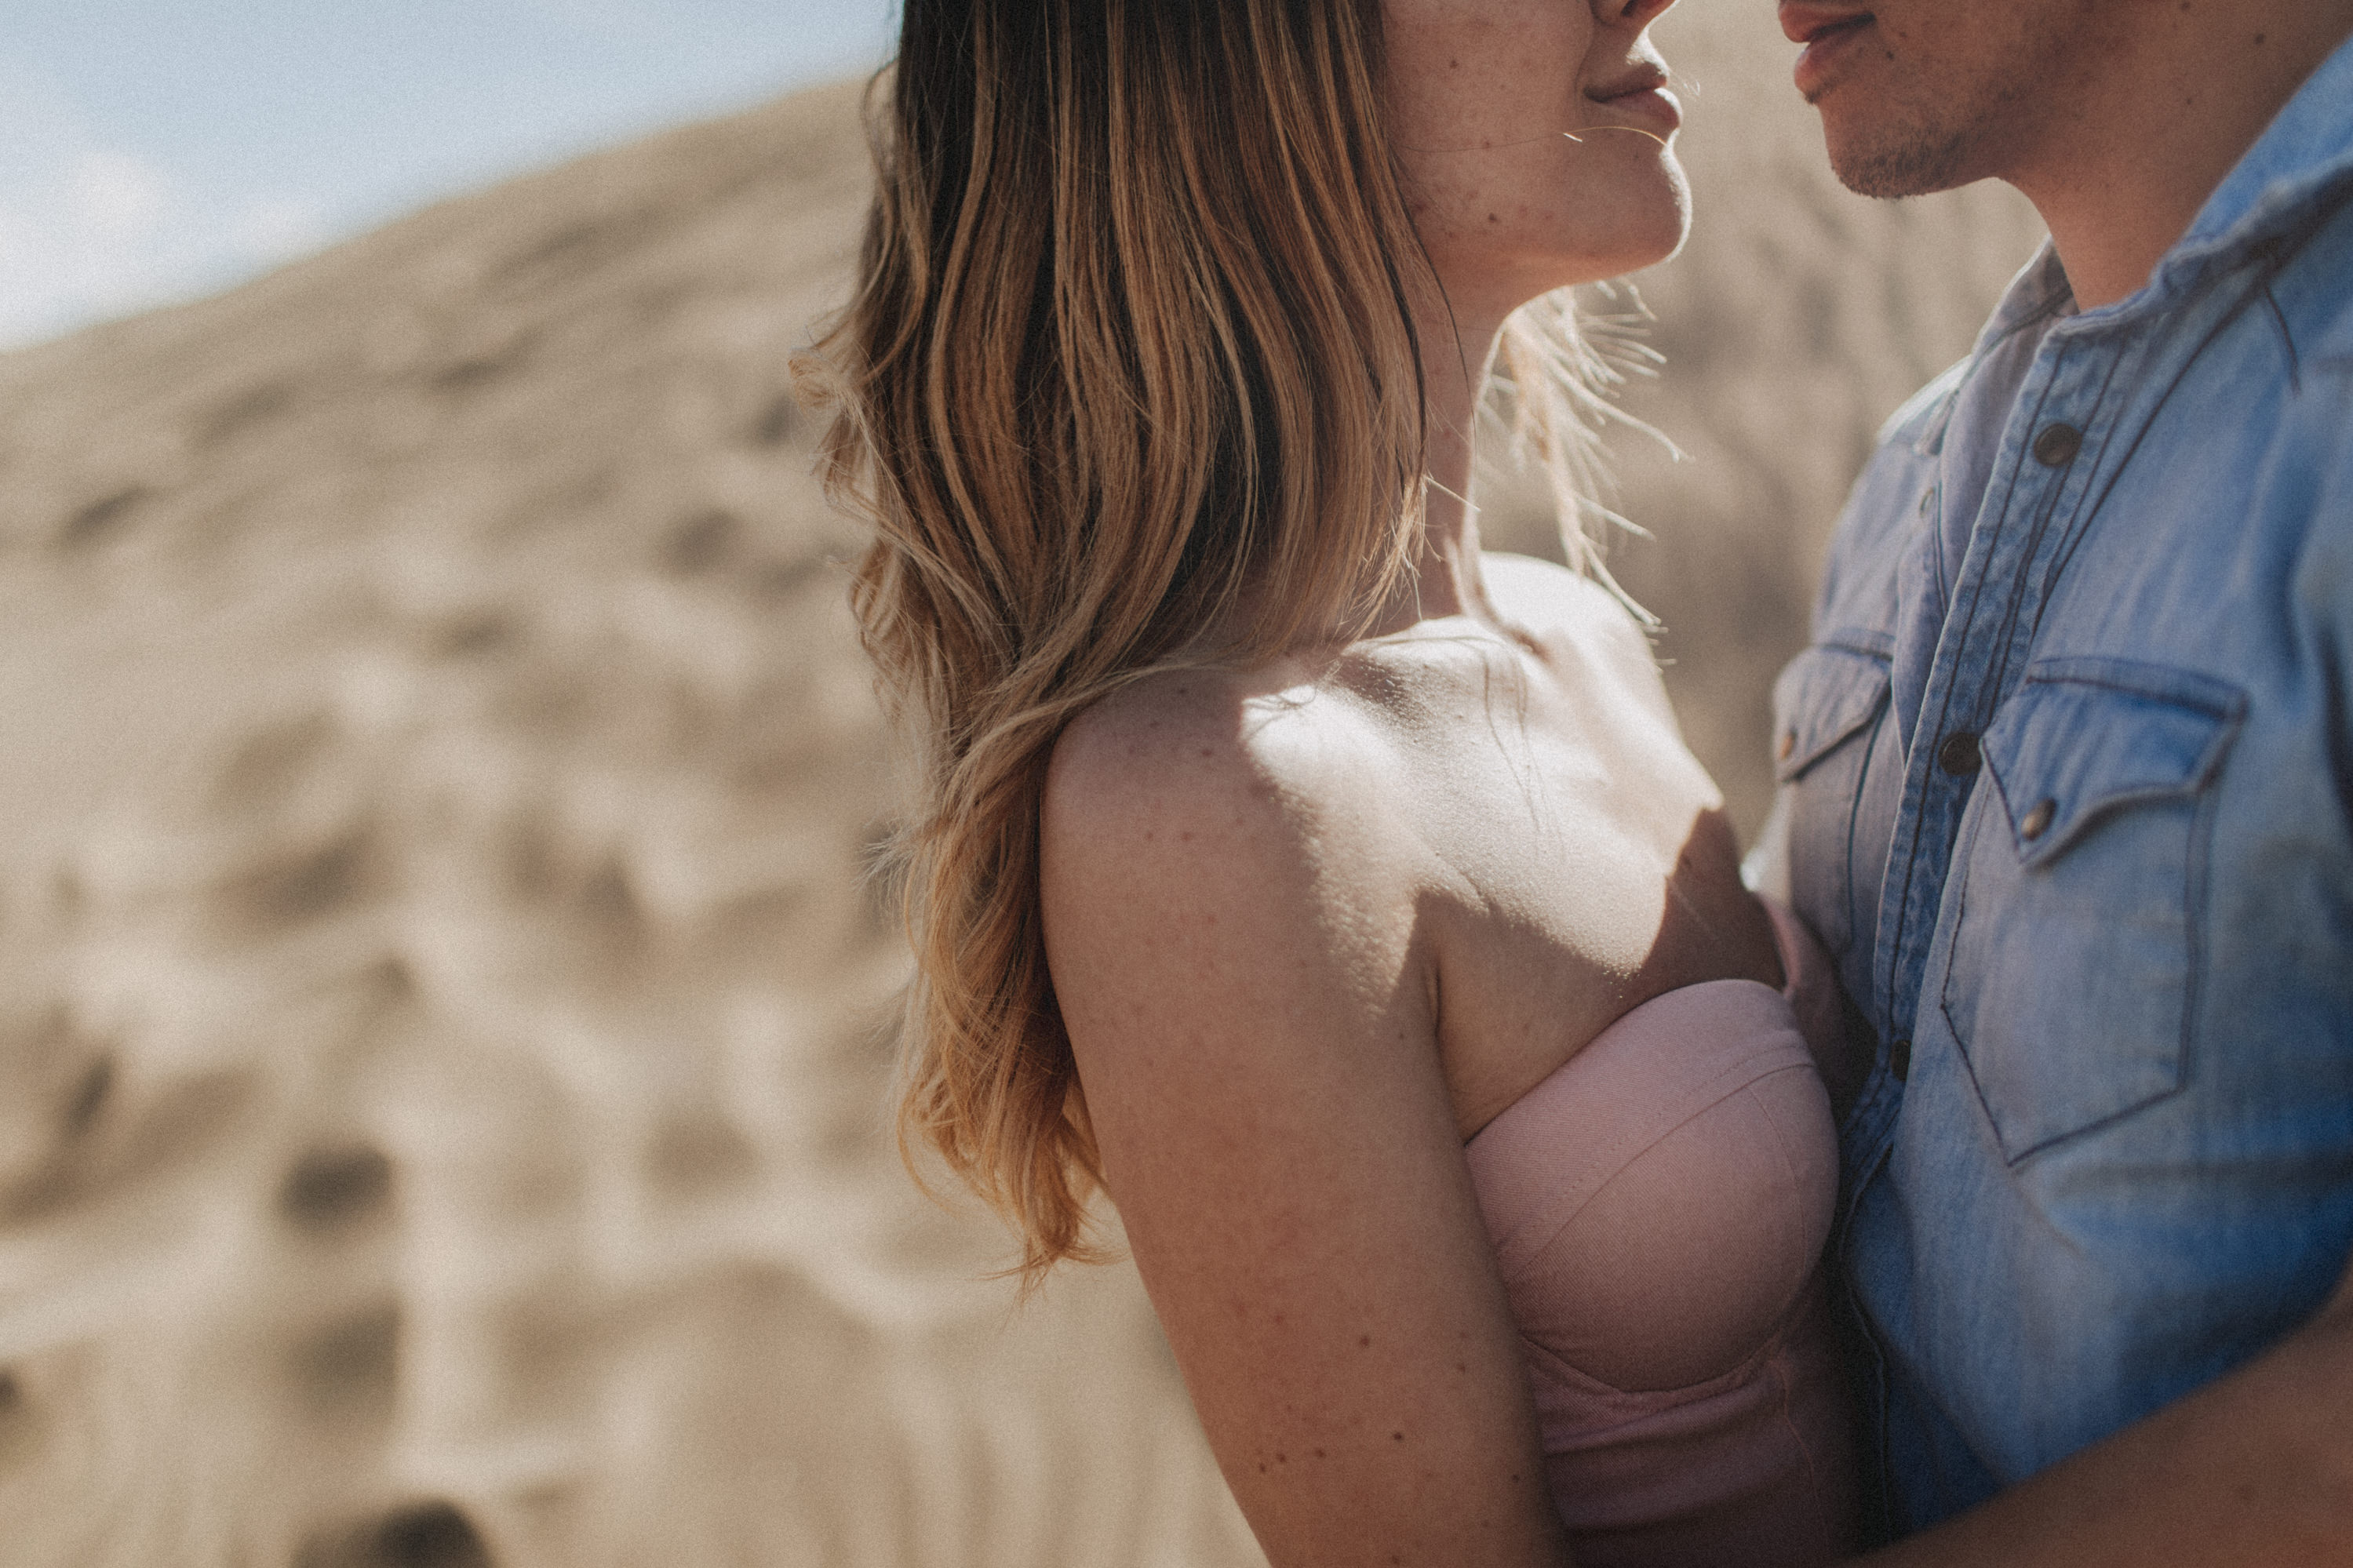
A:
(1133, 332)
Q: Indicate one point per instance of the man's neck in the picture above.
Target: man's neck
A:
(2148, 136)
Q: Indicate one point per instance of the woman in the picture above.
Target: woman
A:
(1345, 903)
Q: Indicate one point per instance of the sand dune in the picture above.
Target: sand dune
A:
(441, 1079)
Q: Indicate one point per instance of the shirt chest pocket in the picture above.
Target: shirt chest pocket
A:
(2071, 981)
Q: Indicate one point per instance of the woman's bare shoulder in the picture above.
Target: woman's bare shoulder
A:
(1566, 609)
(1262, 750)
(1245, 803)
(1254, 1029)
(1549, 598)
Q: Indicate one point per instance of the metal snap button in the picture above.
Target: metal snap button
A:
(1899, 1060)
(1959, 755)
(2037, 819)
(2057, 445)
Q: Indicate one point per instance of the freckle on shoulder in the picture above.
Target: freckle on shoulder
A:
(1242, 765)
(1138, 746)
(1156, 718)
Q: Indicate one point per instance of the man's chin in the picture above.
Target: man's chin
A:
(1890, 162)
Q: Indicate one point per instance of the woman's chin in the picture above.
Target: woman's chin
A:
(1673, 235)
(1657, 234)
(1632, 247)
(1637, 221)
(1603, 230)
(1668, 214)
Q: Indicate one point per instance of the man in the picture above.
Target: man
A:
(2068, 790)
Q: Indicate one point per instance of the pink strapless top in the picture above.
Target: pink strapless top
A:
(1659, 1206)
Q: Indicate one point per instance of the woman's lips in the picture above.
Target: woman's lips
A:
(1650, 108)
(1826, 44)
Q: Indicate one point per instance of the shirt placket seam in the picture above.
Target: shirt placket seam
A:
(1918, 760)
(2008, 646)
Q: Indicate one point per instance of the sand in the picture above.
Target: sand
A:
(442, 1077)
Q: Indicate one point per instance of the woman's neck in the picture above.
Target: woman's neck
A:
(1445, 581)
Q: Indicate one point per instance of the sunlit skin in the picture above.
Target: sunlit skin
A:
(2117, 118)
(1521, 175)
(1524, 177)
(1311, 925)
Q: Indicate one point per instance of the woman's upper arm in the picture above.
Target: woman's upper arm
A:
(1238, 969)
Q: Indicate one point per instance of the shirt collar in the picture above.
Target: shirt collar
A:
(2304, 156)
(2307, 151)
(2038, 294)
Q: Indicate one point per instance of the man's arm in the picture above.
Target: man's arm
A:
(2255, 1469)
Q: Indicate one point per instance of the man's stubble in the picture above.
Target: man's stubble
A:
(1962, 94)
(1916, 149)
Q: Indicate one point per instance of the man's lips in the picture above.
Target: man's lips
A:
(1827, 32)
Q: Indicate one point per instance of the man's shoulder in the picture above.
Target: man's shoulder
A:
(1890, 501)
(2313, 290)
(1903, 458)
(1916, 422)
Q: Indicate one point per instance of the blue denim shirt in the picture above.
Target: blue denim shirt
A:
(2069, 777)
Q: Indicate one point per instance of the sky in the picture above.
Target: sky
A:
(157, 150)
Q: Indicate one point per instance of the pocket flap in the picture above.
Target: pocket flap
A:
(1824, 696)
(2082, 737)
